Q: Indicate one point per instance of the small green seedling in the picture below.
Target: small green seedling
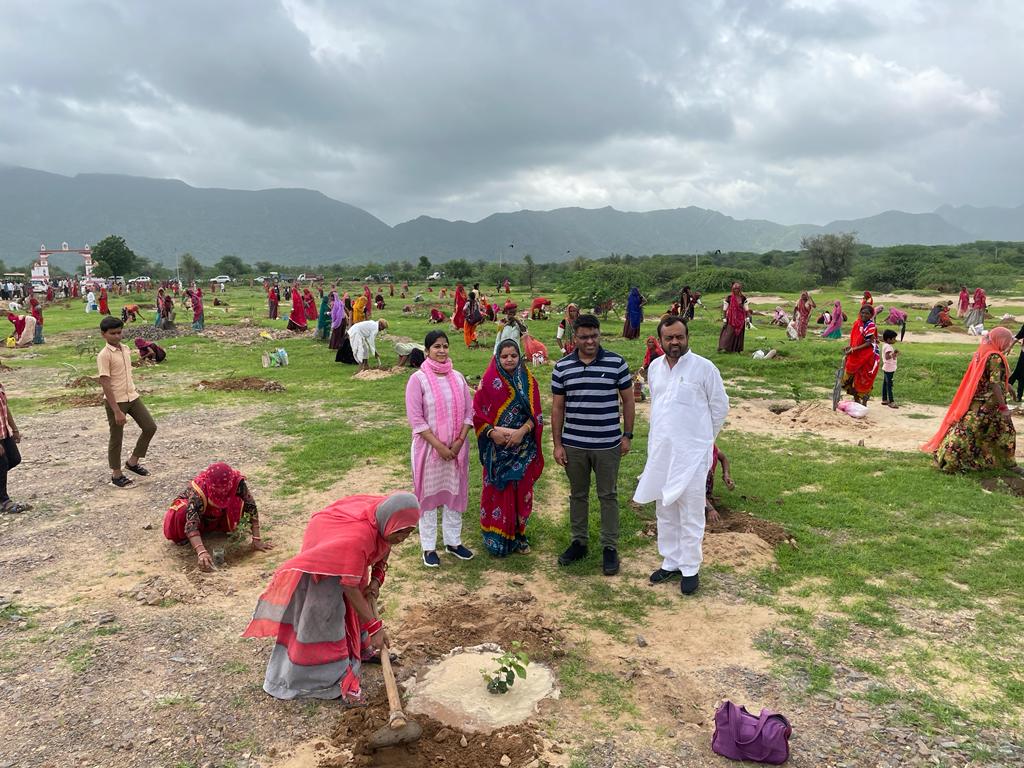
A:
(511, 664)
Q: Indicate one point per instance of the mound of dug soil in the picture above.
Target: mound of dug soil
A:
(76, 401)
(1012, 484)
(439, 745)
(244, 384)
(744, 522)
(431, 631)
(373, 374)
(83, 381)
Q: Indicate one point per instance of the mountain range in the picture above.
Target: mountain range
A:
(162, 218)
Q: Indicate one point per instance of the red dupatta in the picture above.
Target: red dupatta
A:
(990, 345)
(342, 540)
(298, 315)
(652, 354)
(735, 314)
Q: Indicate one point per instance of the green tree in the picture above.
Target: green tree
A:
(115, 253)
(460, 269)
(264, 267)
(599, 283)
(425, 266)
(831, 256)
(100, 268)
(231, 265)
(189, 267)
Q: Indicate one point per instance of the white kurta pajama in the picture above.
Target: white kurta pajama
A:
(688, 409)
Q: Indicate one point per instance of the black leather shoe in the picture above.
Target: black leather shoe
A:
(610, 561)
(576, 551)
(688, 585)
(661, 575)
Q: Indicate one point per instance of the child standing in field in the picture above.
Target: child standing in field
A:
(889, 355)
(122, 400)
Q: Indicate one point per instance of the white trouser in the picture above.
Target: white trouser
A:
(451, 528)
(681, 529)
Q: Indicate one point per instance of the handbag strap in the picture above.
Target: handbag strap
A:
(765, 714)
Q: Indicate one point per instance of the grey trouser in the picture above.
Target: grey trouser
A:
(137, 411)
(604, 464)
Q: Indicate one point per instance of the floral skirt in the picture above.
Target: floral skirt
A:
(982, 439)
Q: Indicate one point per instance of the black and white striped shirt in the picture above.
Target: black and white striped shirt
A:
(591, 398)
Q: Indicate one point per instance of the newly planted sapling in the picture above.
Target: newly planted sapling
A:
(511, 664)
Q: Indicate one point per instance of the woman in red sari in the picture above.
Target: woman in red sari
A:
(216, 501)
(320, 605)
(297, 318)
(868, 300)
(309, 304)
(508, 421)
(368, 312)
(734, 320)
(654, 351)
(459, 314)
(104, 305)
(802, 314)
(862, 358)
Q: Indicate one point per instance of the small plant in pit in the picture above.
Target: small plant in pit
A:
(511, 664)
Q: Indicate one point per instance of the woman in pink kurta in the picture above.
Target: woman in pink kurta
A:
(439, 407)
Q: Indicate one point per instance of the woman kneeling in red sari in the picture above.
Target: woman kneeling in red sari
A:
(862, 358)
(318, 605)
(508, 421)
(214, 502)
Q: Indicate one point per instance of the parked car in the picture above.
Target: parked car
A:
(261, 279)
(142, 279)
(304, 278)
(221, 279)
(436, 276)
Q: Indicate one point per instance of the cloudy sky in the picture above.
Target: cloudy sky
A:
(798, 111)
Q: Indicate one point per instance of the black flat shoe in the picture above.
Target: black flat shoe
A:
(575, 551)
(138, 469)
(610, 561)
(660, 576)
(688, 584)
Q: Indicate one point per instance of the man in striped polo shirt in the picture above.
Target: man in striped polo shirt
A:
(586, 387)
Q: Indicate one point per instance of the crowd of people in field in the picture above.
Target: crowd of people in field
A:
(320, 605)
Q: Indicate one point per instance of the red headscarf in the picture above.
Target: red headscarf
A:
(19, 323)
(652, 354)
(993, 344)
(867, 299)
(218, 483)
(980, 299)
(735, 315)
(37, 311)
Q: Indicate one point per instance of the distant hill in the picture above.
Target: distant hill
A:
(161, 218)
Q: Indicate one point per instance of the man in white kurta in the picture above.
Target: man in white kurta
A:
(363, 337)
(688, 409)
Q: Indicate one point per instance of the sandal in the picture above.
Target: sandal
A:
(122, 481)
(14, 508)
(138, 469)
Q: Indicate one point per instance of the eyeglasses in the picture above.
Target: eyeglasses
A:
(593, 337)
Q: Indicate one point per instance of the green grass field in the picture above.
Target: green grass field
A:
(906, 575)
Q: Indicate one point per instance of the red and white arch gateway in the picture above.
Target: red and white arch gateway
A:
(41, 269)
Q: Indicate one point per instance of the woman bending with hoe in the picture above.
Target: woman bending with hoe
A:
(508, 421)
(977, 432)
(320, 605)
(215, 502)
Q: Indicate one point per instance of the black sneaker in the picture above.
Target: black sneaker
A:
(460, 552)
(688, 585)
(610, 561)
(576, 551)
(431, 560)
(661, 575)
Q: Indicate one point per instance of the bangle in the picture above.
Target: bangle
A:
(374, 627)
(201, 551)
(257, 538)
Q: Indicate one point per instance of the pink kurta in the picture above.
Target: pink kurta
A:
(436, 482)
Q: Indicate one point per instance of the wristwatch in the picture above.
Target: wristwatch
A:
(628, 435)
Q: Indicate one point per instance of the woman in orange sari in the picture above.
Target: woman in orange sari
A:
(508, 421)
(472, 318)
(977, 432)
(862, 358)
(320, 605)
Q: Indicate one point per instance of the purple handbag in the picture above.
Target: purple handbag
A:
(741, 736)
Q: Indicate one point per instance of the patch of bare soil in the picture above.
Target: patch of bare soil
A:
(247, 335)
(244, 384)
(376, 374)
(1012, 484)
(76, 401)
(83, 381)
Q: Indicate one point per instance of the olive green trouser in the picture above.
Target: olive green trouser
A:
(604, 463)
(137, 411)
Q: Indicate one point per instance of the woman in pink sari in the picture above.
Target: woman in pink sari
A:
(321, 605)
(439, 406)
(734, 320)
(964, 302)
(802, 314)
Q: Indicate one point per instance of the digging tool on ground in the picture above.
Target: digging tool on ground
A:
(837, 390)
(400, 729)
